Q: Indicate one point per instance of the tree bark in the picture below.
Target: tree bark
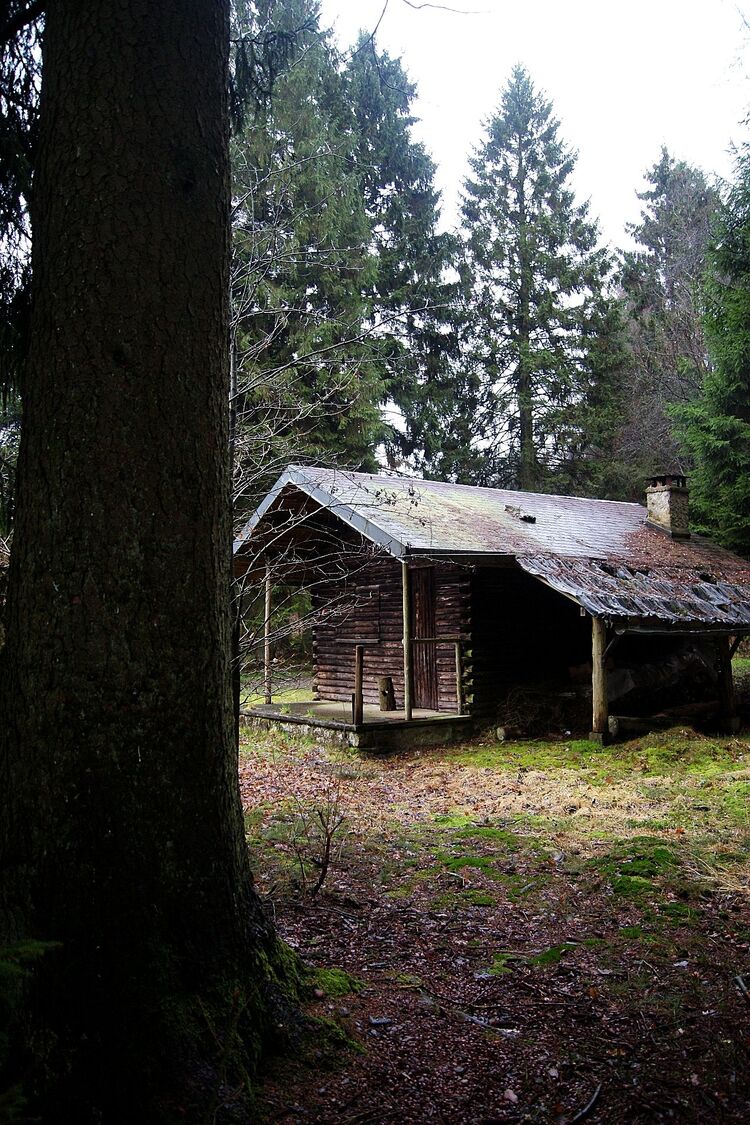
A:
(122, 834)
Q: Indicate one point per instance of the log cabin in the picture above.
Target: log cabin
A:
(435, 601)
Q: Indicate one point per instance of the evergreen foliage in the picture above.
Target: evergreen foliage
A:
(340, 304)
(306, 385)
(716, 426)
(536, 289)
(661, 282)
(412, 304)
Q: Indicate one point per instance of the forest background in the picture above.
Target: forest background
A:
(515, 351)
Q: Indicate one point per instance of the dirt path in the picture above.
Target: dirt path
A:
(539, 933)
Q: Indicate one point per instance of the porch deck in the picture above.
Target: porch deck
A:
(379, 730)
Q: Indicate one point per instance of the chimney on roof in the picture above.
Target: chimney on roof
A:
(667, 504)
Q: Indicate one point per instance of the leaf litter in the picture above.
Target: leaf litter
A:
(531, 945)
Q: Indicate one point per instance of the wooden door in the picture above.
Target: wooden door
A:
(424, 661)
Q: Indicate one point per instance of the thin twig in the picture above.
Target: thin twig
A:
(589, 1105)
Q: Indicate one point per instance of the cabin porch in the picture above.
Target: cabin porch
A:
(375, 730)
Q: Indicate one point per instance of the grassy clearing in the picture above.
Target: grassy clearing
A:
(671, 807)
(531, 892)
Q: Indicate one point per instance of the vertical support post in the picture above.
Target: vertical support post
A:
(459, 683)
(359, 663)
(599, 710)
(267, 638)
(238, 590)
(727, 704)
(406, 604)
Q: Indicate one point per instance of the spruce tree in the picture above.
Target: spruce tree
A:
(412, 302)
(661, 283)
(536, 305)
(307, 385)
(343, 314)
(716, 426)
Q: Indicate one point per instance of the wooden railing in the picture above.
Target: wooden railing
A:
(359, 665)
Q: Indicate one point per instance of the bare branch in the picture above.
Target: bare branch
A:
(20, 20)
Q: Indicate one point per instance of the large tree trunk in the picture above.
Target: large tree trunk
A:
(122, 832)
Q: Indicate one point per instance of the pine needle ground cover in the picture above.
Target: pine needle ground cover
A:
(538, 932)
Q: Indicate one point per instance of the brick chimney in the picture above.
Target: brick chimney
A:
(667, 504)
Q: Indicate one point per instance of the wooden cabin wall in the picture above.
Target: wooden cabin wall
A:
(374, 619)
(523, 633)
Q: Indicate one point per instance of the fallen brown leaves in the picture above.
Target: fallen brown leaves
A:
(505, 980)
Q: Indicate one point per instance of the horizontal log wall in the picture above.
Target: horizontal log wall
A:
(371, 614)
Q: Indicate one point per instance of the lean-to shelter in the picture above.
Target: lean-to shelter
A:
(433, 600)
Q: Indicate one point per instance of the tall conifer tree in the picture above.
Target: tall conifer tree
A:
(716, 426)
(662, 286)
(412, 302)
(121, 833)
(307, 383)
(343, 315)
(536, 294)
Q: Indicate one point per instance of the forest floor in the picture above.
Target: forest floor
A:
(527, 932)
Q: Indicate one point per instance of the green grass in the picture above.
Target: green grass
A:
(667, 753)
(287, 695)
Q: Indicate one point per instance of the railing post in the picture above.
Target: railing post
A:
(267, 638)
(459, 684)
(359, 662)
(406, 603)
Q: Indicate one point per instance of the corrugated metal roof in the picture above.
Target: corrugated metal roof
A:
(602, 553)
(677, 596)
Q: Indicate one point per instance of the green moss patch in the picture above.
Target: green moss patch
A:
(532, 755)
(502, 964)
(667, 753)
(553, 955)
(457, 863)
(679, 913)
(333, 982)
(508, 840)
(477, 898)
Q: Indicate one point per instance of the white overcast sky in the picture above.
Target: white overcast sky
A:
(624, 76)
